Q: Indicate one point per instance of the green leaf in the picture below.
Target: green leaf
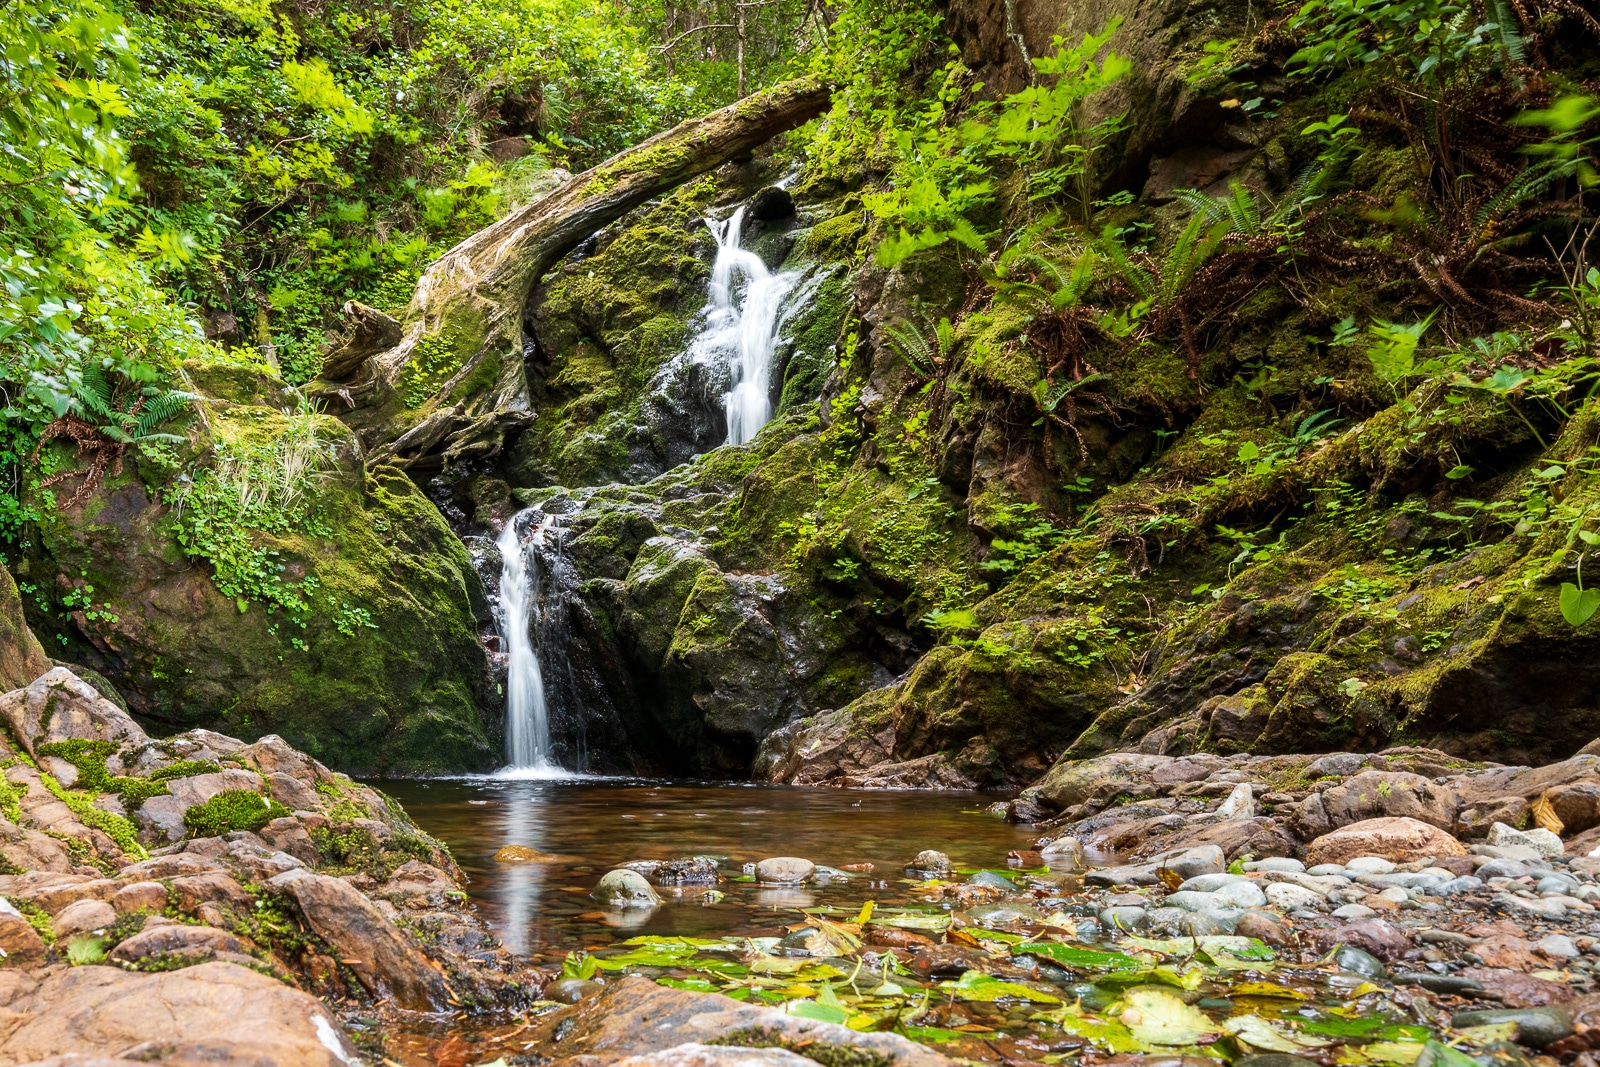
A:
(1156, 1017)
(1459, 471)
(1578, 605)
(1260, 1034)
(810, 1009)
(1081, 958)
(977, 986)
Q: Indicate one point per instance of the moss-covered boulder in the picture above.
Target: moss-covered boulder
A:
(257, 579)
(21, 657)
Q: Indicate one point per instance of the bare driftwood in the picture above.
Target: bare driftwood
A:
(462, 346)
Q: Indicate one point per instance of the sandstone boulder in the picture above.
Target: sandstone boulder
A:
(1398, 839)
(1101, 779)
(29, 850)
(384, 959)
(140, 896)
(214, 1013)
(20, 943)
(1390, 794)
(215, 887)
(199, 788)
(175, 939)
(59, 706)
(83, 916)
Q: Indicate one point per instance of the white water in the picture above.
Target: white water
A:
(741, 327)
(527, 720)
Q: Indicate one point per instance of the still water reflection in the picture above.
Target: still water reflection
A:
(587, 826)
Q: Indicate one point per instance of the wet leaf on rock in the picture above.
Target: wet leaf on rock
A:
(1244, 948)
(1157, 1017)
(1082, 958)
(810, 1009)
(977, 986)
(1265, 989)
(1260, 1034)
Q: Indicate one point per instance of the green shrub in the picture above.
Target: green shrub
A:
(236, 809)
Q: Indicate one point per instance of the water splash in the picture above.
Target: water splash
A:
(527, 719)
(741, 327)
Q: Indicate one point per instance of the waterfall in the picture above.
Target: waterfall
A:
(741, 327)
(527, 720)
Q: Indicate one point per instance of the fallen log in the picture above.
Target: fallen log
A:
(453, 384)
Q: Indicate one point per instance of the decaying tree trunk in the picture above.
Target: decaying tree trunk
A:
(453, 384)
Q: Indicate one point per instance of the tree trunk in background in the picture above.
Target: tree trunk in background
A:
(454, 384)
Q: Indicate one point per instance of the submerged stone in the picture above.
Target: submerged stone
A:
(625, 889)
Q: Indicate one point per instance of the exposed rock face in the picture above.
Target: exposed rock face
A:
(59, 706)
(387, 963)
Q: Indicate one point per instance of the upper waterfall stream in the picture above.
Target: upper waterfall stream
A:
(742, 319)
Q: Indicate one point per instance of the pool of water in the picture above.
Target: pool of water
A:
(543, 910)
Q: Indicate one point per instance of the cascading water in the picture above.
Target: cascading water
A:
(527, 719)
(741, 327)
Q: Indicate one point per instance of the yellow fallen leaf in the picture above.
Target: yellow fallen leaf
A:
(1488, 1034)
(1399, 1052)
(1266, 989)
(1544, 813)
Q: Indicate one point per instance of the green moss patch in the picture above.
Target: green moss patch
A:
(235, 809)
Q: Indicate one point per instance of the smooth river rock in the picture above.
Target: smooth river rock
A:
(1398, 839)
(625, 889)
(784, 870)
(213, 1013)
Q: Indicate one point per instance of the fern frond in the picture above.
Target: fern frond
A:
(1072, 293)
(907, 339)
(1135, 275)
(1529, 183)
(1508, 30)
(1242, 209)
(1200, 204)
(161, 407)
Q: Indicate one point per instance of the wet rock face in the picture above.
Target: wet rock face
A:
(660, 652)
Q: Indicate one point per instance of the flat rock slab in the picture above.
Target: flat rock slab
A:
(634, 1018)
(214, 1013)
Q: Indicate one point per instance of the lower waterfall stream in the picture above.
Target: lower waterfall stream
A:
(528, 751)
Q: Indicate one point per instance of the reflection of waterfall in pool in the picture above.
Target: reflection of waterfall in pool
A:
(741, 327)
(527, 721)
(518, 886)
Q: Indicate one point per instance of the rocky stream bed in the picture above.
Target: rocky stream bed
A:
(196, 899)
